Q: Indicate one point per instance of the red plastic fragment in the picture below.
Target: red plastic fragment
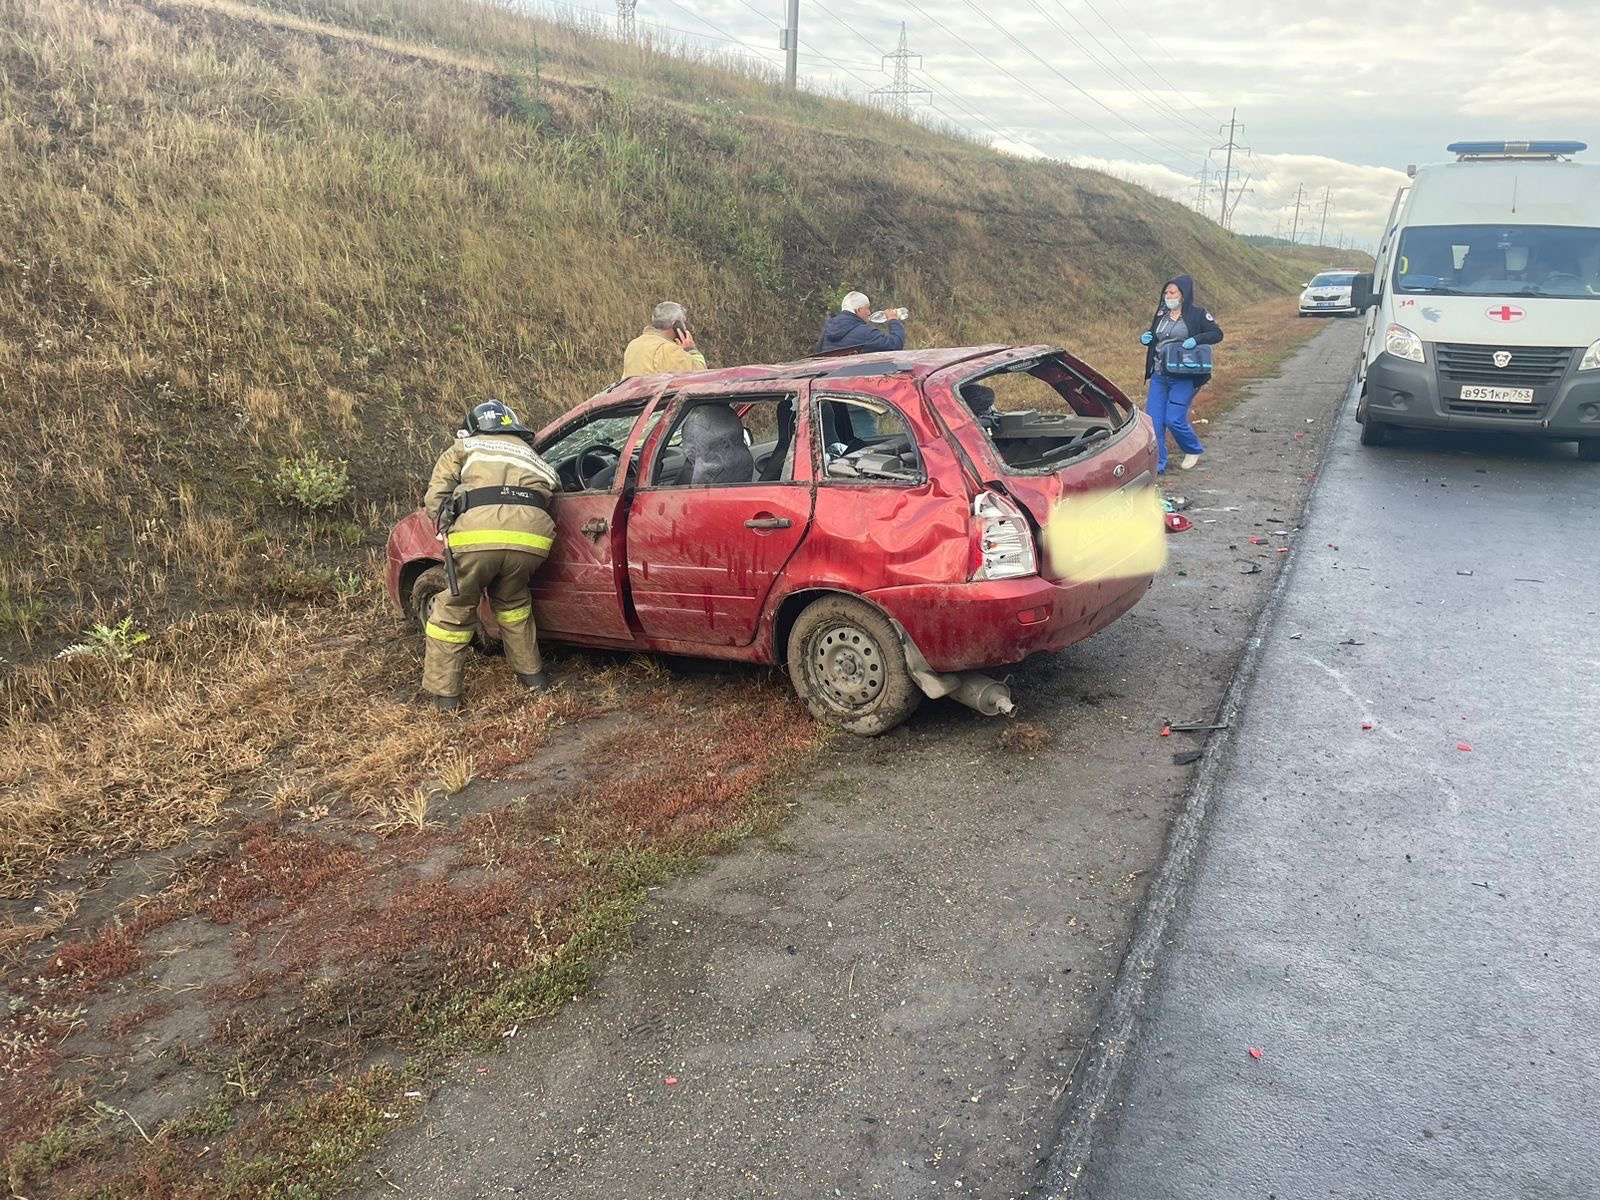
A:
(1283, 549)
(671, 1081)
(1258, 541)
(1366, 724)
(1299, 435)
(1331, 546)
(1166, 731)
(1255, 1052)
(1463, 746)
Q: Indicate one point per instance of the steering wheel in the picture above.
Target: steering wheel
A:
(594, 460)
(1566, 277)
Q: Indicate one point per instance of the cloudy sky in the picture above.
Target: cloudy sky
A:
(1336, 98)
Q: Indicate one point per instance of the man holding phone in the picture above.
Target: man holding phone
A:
(666, 347)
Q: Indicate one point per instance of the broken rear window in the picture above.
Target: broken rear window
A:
(1041, 412)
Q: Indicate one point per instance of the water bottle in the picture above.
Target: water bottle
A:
(889, 314)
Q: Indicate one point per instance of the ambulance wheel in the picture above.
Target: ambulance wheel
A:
(1589, 449)
(847, 664)
(1374, 433)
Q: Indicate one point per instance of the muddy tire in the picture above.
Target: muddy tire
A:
(847, 664)
(420, 603)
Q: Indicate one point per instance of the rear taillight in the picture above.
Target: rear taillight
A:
(1002, 541)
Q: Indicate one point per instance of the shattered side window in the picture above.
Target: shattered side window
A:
(865, 440)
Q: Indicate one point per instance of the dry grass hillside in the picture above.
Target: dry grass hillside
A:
(245, 244)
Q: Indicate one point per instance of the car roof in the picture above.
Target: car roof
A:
(917, 363)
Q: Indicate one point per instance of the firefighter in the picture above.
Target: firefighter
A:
(491, 497)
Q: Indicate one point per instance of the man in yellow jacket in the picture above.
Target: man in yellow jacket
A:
(491, 496)
(666, 347)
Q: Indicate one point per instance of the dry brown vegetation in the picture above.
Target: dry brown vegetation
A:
(248, 895)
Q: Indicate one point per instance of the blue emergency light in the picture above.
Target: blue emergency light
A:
(1465, 150)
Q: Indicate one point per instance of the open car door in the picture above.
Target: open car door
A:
(580, 591)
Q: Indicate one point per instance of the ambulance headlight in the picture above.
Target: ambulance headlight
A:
(1591, 359)
(1402, 343)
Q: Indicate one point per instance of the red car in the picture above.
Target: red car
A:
(878, 529)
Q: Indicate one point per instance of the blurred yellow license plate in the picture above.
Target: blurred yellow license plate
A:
(1494, 395)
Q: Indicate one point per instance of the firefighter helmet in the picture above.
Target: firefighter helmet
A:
(493, 416)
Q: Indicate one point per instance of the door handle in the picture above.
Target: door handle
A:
(596, 526)
(768, 523)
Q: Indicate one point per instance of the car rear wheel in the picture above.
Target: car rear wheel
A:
(420, 603)
(1589, 449)
(846, 663)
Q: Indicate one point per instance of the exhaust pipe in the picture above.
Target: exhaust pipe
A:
(972, 688)
(988, 696)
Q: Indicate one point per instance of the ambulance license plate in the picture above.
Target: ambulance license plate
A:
(1496, 395)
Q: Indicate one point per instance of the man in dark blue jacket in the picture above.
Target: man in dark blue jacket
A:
(849, 329)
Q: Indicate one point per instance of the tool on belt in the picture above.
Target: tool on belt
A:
(476, 498)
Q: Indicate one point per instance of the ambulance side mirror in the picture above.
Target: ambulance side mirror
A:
(1361, 292)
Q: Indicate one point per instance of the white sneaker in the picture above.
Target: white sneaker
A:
(1190, 461)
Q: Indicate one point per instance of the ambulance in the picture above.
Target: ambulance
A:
(1485, 299)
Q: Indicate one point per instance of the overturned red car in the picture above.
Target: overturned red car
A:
(879, 531)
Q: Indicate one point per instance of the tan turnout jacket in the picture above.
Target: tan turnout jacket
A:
(483, 460)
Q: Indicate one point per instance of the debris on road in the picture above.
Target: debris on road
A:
(1189, 727)
(1463, 746)
(1463, 572)
(1256, 1052)
(1184, 757)
(1366, 724)
(1178, 523)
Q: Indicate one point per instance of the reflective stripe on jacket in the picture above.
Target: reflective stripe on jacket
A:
(487, 460)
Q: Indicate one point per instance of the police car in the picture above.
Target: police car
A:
(1328, 294)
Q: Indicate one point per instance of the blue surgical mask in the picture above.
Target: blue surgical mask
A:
(1174, 303)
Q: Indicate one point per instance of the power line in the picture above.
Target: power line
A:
(1180, 151)
(1028, 86)
(1154, 70)
(1118, 70)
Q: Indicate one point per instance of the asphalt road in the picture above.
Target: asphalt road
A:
(1406, 929)
(889, 999)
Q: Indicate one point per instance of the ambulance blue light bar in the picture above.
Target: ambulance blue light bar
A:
(1466, 150)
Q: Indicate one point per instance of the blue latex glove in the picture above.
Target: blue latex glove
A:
(1146, 338)
(1189, 343)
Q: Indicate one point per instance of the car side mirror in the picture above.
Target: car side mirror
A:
(1361, 292)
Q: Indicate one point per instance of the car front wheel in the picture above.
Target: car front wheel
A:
(847, 664)
(419, 604)
(1374, 433)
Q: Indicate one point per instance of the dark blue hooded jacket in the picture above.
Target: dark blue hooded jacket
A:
(1202, 327)
(846, 331)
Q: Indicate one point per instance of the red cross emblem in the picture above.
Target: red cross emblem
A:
(1507, 312)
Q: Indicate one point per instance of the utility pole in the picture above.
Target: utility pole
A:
(625, 18)
(1299, 194)
(1239, 194)
(789, 40)
(1322, 237)
(1202, 188)
(899, 92)
(1227, 171)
